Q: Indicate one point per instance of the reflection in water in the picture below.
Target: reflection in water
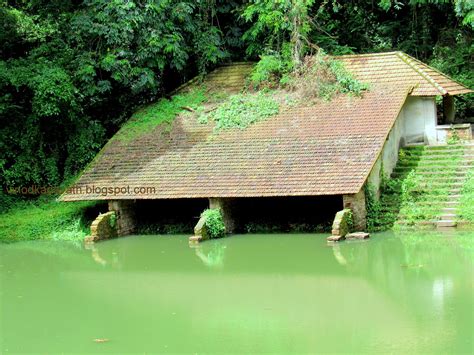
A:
(95, 254)
(276, 293)
(336, 249)
(211, 253)
(442, 289)
(102, 256)
(427, 274)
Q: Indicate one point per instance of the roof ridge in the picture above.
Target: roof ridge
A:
(437, 71)
(379, 54)
(415, 65)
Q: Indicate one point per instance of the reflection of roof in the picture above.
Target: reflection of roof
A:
(398, 68)
(324, 149)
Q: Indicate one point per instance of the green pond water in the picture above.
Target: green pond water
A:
(410, 293)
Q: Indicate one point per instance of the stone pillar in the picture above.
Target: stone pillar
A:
(448, 108)
(225, 205)
(356, 202)
(125, 212)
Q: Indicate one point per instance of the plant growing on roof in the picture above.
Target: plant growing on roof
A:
(242, 110)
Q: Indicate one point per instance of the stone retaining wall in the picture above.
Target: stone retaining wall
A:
(103, 227)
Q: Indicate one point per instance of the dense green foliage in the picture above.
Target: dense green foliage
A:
(72, 72)
(316, 76)
(47, 220)
(214, 222)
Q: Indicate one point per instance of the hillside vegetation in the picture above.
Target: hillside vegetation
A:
(73, 73)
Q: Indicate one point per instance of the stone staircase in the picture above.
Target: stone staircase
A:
(425, 187)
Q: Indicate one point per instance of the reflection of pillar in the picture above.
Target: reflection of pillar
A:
(225, 205)
(124, 209)
(448, 108)
(356, 202)
(212, 256)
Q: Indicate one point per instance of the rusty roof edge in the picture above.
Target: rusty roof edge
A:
(380, 54)
(440, 73)
(415, 65)
(408, 91)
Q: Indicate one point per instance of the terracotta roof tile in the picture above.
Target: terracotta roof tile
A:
(325, 149)
(398, 68)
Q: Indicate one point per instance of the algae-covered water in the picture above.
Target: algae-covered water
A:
(243, 294)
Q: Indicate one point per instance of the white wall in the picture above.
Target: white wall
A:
(419, 115)
(416, 123)
(388, 157)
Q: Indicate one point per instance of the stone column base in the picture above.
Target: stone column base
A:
(356, 202)
(125, 212)
(225, 205)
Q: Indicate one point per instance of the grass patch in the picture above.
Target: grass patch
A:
(466, 207)
(241, 110)
(47, 220)
(164, 111)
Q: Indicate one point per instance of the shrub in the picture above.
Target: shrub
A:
(318, 76)
(214, 222)
(321, 76)
(271, 70)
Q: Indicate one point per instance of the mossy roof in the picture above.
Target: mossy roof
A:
(327, 148)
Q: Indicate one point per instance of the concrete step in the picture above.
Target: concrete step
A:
(443, 160)
(434, 162)
(447, 217)
(452, 204)
(445, 223)
(428, 168)
(443, 156)
(444, 175)
(435, 179)
(455, 175)
(417, 223)
(443, 184)
(448, 146)
(429, 199)
(449, 210)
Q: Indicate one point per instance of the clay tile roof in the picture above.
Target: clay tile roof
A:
(398, 68)
(228, 77)
(325, 149)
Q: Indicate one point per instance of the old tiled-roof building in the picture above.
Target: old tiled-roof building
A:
(332, 148)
